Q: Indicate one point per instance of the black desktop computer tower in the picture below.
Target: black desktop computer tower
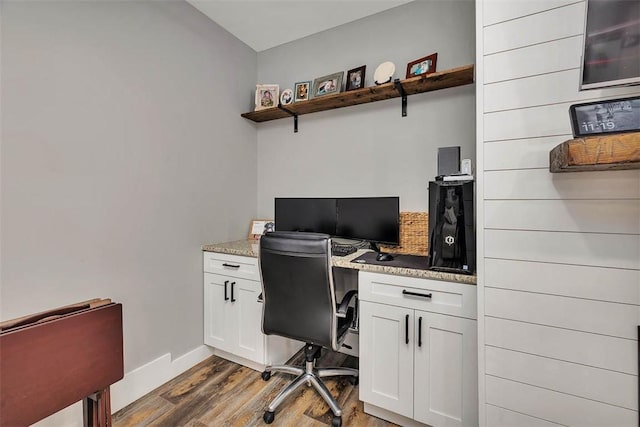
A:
(452, 238)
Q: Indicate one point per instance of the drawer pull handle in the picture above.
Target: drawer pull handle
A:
(232, 299)
(415, 294)
(230, 265)
(406, 329)
(420, 331)
(226, 297)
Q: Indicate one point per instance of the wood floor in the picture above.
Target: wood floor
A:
(217, 392)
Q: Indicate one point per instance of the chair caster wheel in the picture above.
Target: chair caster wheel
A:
(265, 376)
(354, 380)
(268, 417)
(336, 422)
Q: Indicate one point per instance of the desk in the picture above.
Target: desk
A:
(249, 248)
(417, 337)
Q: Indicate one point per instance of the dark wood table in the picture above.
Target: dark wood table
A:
(53, 359)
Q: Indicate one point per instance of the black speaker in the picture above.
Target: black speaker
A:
(452, 237)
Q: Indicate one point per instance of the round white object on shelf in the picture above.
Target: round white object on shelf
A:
(384, 72)
(286, 97)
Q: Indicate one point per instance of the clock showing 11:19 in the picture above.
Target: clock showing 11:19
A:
(605, 117)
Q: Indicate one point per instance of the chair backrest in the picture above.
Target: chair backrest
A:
(297, 287)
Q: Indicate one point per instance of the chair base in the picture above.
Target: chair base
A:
(311, 376)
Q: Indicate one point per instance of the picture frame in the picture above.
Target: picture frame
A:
(286, 97)
(301, 91)
(425, 65)
(327, 85)
(267, 96)
(355, 78)
(257, 228)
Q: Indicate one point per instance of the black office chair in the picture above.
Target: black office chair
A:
(300, 303)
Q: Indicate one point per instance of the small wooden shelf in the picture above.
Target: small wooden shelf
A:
(595, 153)
(449, 78)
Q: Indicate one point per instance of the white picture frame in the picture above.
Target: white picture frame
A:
(286, 97)
(267, 96)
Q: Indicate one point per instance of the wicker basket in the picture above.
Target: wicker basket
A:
(414, 234)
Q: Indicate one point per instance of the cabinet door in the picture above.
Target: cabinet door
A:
(446, 370)
(248, 319)
(386, 359)
(218, 315)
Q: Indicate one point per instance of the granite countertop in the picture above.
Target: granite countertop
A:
(239, 247)
(250, 248)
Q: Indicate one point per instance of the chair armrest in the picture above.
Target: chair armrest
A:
(344, 304)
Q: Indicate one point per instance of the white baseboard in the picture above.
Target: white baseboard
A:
(142, 380)
(134, 385)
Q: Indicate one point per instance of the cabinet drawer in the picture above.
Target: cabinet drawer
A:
(231, 265)
(436, 296)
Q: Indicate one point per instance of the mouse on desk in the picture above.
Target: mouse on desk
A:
(384, 257)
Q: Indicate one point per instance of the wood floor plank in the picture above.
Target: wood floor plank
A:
(200, 400)
(144, 412)
(232, 402)
(196, 423)
(217, 392)
(182, 386)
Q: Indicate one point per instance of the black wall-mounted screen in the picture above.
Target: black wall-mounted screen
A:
(375, 219)
(611, 54)
(316, 215)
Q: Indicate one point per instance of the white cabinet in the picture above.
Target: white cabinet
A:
(233, 315)
(415, 361)
(445, 389)
(386, 359)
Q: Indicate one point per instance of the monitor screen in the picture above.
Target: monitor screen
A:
(611, 44)
(316, 215)
(375, 219)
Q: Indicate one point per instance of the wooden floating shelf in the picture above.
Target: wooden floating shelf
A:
(444, 79)
(596, 153)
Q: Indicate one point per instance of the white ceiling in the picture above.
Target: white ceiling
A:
(263, 24)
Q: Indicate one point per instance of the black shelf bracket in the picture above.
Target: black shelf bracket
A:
(295, 117)
(403, 94)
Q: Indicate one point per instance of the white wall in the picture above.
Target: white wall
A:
(123, 151)
(369, 150)
(559, 254)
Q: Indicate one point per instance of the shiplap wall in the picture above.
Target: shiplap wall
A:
(559, 254)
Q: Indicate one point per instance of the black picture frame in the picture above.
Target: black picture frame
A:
(355, 78)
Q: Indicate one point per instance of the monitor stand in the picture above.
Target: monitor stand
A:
(346, 242)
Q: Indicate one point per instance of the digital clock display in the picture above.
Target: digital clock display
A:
(606, 117)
